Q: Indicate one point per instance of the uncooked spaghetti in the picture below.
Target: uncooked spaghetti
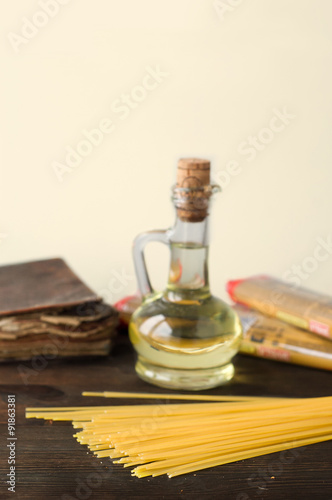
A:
(176, 439)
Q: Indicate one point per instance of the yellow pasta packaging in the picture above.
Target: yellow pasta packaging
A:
(271, 338)
(293, 304)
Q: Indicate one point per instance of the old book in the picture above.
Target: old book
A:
(46, 309)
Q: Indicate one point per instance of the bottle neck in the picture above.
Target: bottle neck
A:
(188, 274)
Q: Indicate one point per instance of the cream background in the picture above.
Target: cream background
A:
(225, 77)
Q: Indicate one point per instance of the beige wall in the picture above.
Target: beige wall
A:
(204, 79)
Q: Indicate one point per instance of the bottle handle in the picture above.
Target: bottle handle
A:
(140, 242)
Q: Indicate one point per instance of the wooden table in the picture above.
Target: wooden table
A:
(51, 464)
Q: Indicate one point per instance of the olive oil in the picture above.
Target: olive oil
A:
(185, 338)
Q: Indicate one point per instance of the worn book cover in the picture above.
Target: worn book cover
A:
(45, 308)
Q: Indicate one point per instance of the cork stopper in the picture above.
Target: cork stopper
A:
(192, 190)
(193, 172)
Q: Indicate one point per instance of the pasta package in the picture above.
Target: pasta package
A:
(270, 338)
(295, 305)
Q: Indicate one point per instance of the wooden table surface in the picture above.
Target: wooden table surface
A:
(51, 464)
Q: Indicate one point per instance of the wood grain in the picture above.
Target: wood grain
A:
(51, 464)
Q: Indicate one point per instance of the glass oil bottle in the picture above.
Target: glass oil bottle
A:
(185, 338)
